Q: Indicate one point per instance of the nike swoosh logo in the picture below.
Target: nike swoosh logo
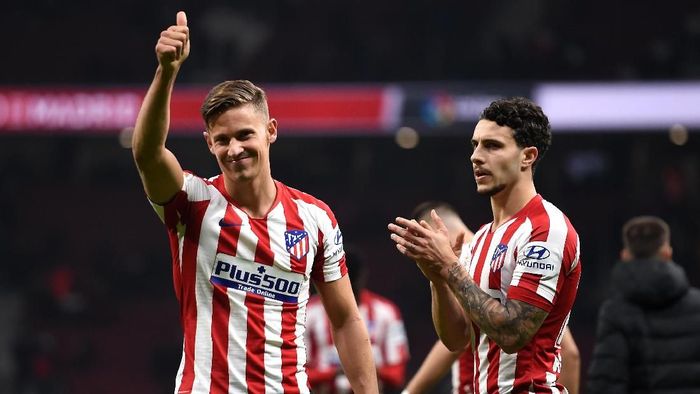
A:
(224, 223)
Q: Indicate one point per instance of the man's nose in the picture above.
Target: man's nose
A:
(234, 148)
(476, 156)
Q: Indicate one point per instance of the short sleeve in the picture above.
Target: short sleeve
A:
(329, 264)
(174, 213)
(536, 273)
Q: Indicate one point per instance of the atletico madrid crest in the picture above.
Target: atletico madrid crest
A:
(297, 242)
(499, 257)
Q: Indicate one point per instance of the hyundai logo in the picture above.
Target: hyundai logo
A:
(537, 252)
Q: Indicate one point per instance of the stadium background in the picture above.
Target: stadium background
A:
(85, 287)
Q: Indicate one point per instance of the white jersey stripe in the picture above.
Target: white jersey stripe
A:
(236, 356)
(522, 233)
(556, 240)
(551, 378)
(272, 311)
(180, 370)
(302, 379)
(273, 348)
(506, 371)
(482, 352)
(203, 339)
(578, 254)
(245, 249)
(480, 237)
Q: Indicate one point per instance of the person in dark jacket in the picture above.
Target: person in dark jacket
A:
(648, 336)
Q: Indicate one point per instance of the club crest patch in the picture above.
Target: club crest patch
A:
(499, 257)
(297, 243)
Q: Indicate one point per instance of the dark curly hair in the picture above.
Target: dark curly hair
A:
(530, 125)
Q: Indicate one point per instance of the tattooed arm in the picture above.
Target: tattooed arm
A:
(511, 325)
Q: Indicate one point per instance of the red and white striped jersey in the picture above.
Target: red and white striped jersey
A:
(533, 258)
(243, 285)
(387, 335)
(463, 373)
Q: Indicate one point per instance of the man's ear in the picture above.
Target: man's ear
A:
(207, 138)
(666, 252)
(272, 129)
(530, 154)
(625, 255)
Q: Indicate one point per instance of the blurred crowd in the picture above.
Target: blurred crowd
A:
(310, 41)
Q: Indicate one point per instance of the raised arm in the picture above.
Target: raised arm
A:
(349, 334)
(511, 324)
(160, 171)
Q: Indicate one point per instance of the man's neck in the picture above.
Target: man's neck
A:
(254, 197)
(509, 201)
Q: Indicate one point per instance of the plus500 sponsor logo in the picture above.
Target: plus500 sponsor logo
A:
(258, 282)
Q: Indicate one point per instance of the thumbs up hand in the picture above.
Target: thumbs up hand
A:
(173, 46)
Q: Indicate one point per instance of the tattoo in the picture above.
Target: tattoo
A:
(511, 325)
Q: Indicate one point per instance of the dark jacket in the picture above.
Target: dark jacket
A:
(648, 336)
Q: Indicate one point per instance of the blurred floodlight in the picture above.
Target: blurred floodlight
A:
(407, 137)
(678, 134)
(125, 137)
(619, 106)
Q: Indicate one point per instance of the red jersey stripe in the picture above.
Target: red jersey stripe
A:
(263, 252)
(289, 354)
(570, 248)
(255, 344)
(230, 230)
(482, 258)
(477, 359)
(478, 240)
(317, 270)
(494, 363)
(540, 223)
(219, 333)
(307, 198)
(466, 371)
(188, 306)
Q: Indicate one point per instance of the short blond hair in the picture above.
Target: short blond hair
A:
(232, 94)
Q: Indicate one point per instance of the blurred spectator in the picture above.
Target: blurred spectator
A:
(648, 337)
(386, 332)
